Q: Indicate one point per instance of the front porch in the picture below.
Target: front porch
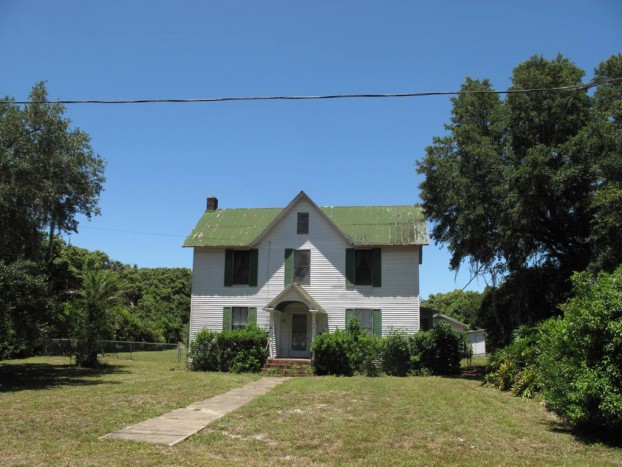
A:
(295, 320)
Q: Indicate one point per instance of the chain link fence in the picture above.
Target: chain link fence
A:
(124, 350)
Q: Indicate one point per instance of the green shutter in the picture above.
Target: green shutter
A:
(349, 315)
(289, 266)
(377, 267)
(253, 263)
(377, 320)
(252, 315)
(228, 268)
(420, 254)
(226, 318)
(349, 268)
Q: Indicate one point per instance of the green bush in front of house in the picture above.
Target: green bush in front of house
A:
(332, 353)
(365, 351)
(237, 351)
(437, 351)
(345, 353)
(396, 353)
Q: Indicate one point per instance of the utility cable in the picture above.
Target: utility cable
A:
(573, 88)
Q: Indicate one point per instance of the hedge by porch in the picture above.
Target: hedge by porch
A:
(236, 351)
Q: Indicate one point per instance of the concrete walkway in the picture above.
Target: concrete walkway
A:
(175, 426)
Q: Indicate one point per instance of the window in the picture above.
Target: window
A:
(363, 267)
(303, 223)
(425, 324)
(238, 317)
(297, 266)
(370, 320)
(241, 267)
(302, 266)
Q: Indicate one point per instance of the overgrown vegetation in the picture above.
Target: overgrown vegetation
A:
(528, 188)
(581, 355)
(49, 175)
(574, 361)
(237, 351)
(515, 367)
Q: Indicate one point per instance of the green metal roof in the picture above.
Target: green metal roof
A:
(381, 225)
(231, 227)
(362, 225)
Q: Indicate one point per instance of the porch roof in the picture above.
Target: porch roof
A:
(294, 293)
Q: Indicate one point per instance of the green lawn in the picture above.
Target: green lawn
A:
(53, 413)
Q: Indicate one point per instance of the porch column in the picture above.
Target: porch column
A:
(314, 314)
(274, 331)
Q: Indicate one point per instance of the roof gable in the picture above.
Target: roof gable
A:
(359, 225)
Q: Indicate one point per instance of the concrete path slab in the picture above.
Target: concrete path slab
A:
(175, 426)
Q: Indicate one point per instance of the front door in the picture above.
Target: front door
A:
(300, 338)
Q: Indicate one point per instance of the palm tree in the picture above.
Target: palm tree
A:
(98, 293)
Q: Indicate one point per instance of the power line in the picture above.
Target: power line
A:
(578, 87)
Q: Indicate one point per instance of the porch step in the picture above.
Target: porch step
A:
(289, 366)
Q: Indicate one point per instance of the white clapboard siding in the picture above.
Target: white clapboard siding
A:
(398, 298)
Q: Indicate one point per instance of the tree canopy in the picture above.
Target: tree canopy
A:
(459, 304)
(49, 174)
(529, 188)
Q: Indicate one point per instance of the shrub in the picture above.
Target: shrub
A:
(396, 357)
(369, 349)
(514, 367)
(437, 351)
(333, 353)
(581, 355)
(346, 352)
(240, 350)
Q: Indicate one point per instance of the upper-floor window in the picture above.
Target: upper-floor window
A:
(303, 223)
(241, 267)
(297, 266)
(302, 266)
(363, 267)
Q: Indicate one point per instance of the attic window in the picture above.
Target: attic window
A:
(303, 223)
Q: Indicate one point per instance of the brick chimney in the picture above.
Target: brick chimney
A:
(212, 203)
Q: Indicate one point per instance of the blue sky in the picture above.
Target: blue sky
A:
(163, 160)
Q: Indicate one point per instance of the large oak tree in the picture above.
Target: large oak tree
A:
(529, 188)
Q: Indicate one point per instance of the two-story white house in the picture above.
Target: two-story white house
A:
(303, 269)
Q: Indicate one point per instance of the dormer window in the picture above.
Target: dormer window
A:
(303, 223)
